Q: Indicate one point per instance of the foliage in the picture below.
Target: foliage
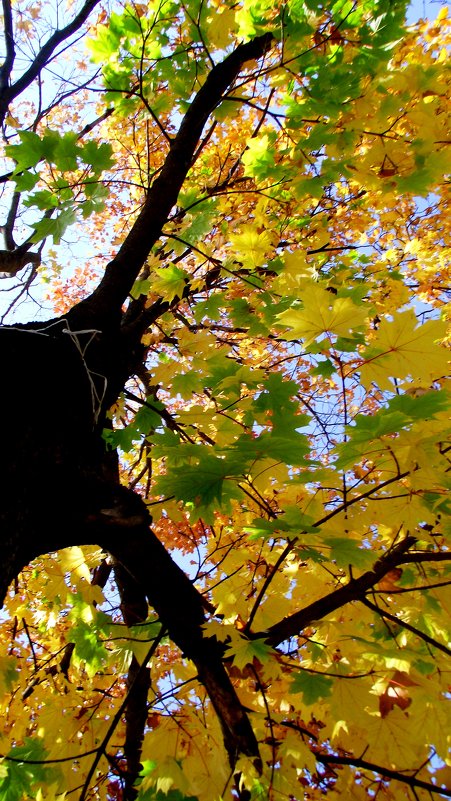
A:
(288, 425)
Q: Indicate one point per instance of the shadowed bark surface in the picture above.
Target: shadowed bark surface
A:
(61, 488)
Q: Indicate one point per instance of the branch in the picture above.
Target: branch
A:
(397, 775)
(9, 93)
(354, 590)
(100, 750)
(123, 270)
(134, 610)
(8, 228)
(180, 608)
(400, 622)
(7, 66)
(426, 556)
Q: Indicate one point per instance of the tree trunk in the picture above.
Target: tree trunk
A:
(56, 481)
(60, 486)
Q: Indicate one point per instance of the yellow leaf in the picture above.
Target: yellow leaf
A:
(322, 313)
(73, 560)
(293, 749)
(51, 794)
(389, 743)
(296, 274)
(349, 698)
(220, 26)
(169, 282)
(251, 247)
(401, 348)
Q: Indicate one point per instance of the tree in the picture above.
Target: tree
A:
(259, 367)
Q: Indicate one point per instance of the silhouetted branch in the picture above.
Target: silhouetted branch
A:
(404, 624)
(354, 590)
(388, 773)
(9, 93)
(134, 610)
(123, 270)
(7, 66)
(180, 608)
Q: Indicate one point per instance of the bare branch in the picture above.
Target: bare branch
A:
(388, 773)
(123, 270)
(9, 93)
(6, 68)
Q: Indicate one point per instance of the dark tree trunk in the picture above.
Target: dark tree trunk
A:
(60, 486)
(58, 483)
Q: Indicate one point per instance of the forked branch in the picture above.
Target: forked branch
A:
(9, 91)
(354, 590)
(123, 270)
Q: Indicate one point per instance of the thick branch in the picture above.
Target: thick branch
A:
(8, 228)
(134, 610)
(9, 93)
(352, 591)
(123, 270)
(180, 608)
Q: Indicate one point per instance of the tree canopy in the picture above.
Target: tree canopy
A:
(225, 413)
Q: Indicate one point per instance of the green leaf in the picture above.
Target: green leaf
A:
(277, 400)
(324, 368)
(201, 484)
(277, 393)
(146, 420)
(201, 223)
(61, 150)
(244, 651)
(185, 384)
(421, 407)
(169, 282)
(43, 199)
(98, 155)
(26, 181)
(148, 416)
(53, 227)
(28, 153)
(345, 551)
(258, 158)
(291, 449)
(292, 520)
(8, 671)
(88, 647)
(25, 771)
(210, 308)
(400, 412)
(105, 43)
(313, 686)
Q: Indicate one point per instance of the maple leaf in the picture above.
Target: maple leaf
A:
(249, 213)
(403, 348)
(322, 313)
(169, 282)
(250, 246)
(313, 686)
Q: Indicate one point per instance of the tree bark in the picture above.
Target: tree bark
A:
(60, 487)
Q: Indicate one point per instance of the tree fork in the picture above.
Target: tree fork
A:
(122, 271)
